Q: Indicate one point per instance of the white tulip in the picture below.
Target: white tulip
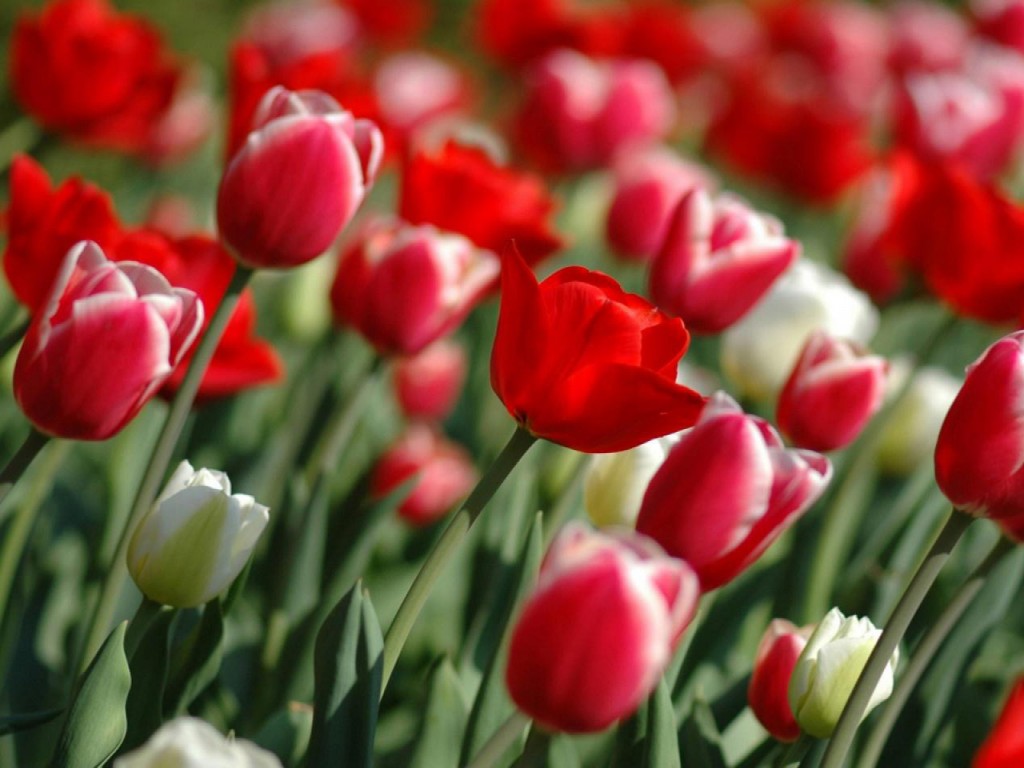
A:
(188, 742)
(615, 483)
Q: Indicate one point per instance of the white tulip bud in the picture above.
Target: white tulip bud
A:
(188, 742)
(909, 436)
(615, 483)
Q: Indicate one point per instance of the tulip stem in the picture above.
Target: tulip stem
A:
(926, 650)
(19, 462)
(445, 547)
(501, 740)
(895, 628)
(158, 463)
(795, 752)
(144, 616)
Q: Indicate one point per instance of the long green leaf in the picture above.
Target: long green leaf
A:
(443, 722)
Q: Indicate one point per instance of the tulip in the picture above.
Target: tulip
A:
(1004, 747)
(444, 474)
(926, 37)
(404, 287)
(187, 742)
(580, 362)
(1001, 21)
(414, 88)
(614, 483)
(195, 539)
(102, 345)
(428, 384)
(759, 352)
(649, 182)
(727, 490)
(768, 692)
(717, 261)
(833, 392)
(828, 668)
(303, 172)
(908, 438)
(595, 636)
(979, 458)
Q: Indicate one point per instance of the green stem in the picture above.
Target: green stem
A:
(19, 462)
(894, 630)
(501, 741)
(926, 650)
(795, 752)
(158, 463)
(446, 546)
(147, 611)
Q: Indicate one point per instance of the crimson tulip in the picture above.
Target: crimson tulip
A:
(768, 691)
(580, 362)
(1004, 747)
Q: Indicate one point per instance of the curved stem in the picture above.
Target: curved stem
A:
(926, 650)
(445, 548)
(19, 462)
(508, 732)
(894, 630)
(158, 463)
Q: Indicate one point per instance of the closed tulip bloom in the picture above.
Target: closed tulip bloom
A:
(717, 261)
(615, 483)
(828, 668)
(1004, 747)
(195, 540)
(768, 692)
(102, 345)
(908, 437)
(429, 383)
(297, 181)
(979, 458)
(580, 362)
(405, 286)
(595, 636)
(727, 490)
(187, 742)
(834, 390)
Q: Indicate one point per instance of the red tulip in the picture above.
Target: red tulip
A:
(768, 692)
(404, 287)
(1001, 21)
(397, 22)
(1004, 747)
(85, 71)
(979, 458)
(444, 474)
(580, 362)
(595, 636)
(107, 338)
(303, 172)
(727, 490)
(460, 189)
(834, 390)
(428, 384)
(717, 260)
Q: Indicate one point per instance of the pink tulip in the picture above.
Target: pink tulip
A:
(768, 692)
(1001, 21)
(717, 260)
(428, 384)
(649, 182)
(405, 286)
(727, 490)
(599, 629)
(107, 338)
(298, 179)
(979, 458)
(834, 390)
(926, 36)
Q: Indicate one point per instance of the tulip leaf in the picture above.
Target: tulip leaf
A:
(649, 739)
(700, 740)
(286, 733)
(96, 723)
(443, 722)
(26, 720)
(491, 705)
(348, 667)
(544, 749)
(149, 666)
(197, 662)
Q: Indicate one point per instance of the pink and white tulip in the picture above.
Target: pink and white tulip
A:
(768, 692)
(429, 383)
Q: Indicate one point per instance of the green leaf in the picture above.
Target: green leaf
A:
(700, 740)
(197, 663)
(26, 720)
(149, 666)
(96, 723)
(443, 722)
(348, 666)
(286, 733)
(649, 739)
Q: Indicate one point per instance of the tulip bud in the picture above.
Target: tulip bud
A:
(1004, 747)
(596, 635)
(102, 345)
(828, 668)
(908, 437)
(614, 484)
(404, 287)
(444, 474)
(429, 383)
(768, 692)
(188, 742)
(926, 37)
(195, 540)
(717, 261)
(649, 182)
(727, 490)
(758, 352)
(298, 180)
(831, 395)
(979, 458)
